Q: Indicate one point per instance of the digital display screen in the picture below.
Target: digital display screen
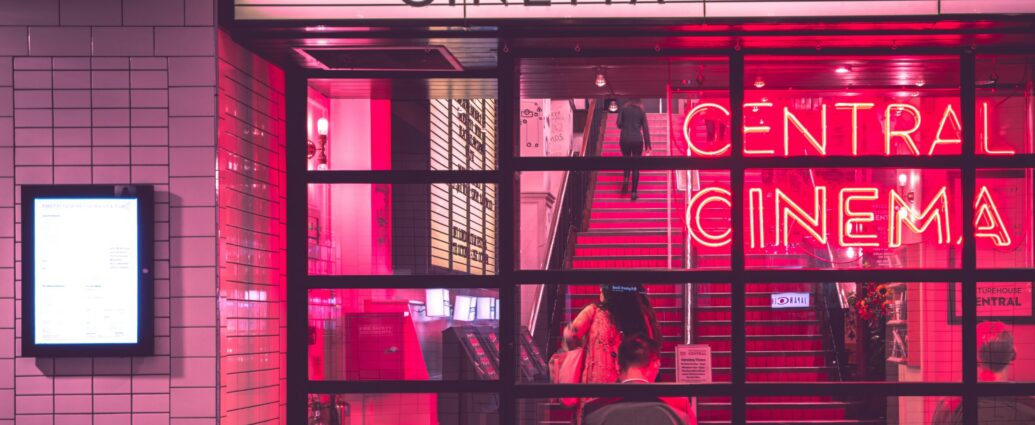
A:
(87, 282)
(86, 271)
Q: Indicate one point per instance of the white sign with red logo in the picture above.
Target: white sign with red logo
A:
(790, 300)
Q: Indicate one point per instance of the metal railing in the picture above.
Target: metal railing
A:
(570, 219)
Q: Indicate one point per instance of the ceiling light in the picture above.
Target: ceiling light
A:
(321, 126)
(843, 69)
(759, 82)
(612, 105)
(921, 83)
(600, 80)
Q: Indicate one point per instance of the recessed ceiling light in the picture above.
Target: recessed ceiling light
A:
(843, 69)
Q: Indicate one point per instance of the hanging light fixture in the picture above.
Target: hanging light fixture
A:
(601, 79)
(612, 105)
(759, 82)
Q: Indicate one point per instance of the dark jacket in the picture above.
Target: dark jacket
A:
(633, 122)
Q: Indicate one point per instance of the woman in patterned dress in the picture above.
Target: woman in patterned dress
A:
(623, 311)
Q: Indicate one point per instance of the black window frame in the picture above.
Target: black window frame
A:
(509, 276)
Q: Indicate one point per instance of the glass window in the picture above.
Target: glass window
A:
(1004, 110)
(1006, 410)
(402, 124)
(591, 220)
(1005, 330)
(404, 334)
(383, 229)
(571, 107)
(844, 331)
(841, 106)
(852, 218)
(1003, 218)
(555, 318)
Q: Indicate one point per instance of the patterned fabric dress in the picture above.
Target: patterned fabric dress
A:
(601, 350)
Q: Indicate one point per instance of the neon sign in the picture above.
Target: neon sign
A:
(856, 223)
(836, 129)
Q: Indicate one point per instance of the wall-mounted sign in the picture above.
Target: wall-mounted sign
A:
(463, 215)
(454, 10)
(1012, 302)
(87, 270)
(789, 300)
(694, 364)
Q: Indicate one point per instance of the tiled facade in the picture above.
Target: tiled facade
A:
(102, 92)
(252, 257)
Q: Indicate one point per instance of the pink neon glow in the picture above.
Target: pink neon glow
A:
(848, 125)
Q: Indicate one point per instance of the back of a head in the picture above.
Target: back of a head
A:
(995, 346)
(625, 306)
(636, 351)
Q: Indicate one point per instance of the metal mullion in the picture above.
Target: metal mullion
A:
(725, 163)
(763, 275)
(738, 333)
(507, 243)
(298, 389)
(402, 387)
(547, 53)
(968, 96)
(401, 176)
(486, 74)
(835, 388)
(401, 281)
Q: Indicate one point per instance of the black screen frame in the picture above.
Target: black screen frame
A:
(145, 275)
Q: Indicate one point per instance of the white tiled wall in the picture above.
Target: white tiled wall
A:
(115, 91)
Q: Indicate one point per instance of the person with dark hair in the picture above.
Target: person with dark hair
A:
(639, 363)
(622, 311)
(995, 353)
(634, 138)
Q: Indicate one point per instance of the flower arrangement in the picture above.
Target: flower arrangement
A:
(872, 302)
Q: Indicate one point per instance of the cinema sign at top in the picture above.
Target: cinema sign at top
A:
(504, 10)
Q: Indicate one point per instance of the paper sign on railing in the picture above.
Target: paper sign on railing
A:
(693, 364)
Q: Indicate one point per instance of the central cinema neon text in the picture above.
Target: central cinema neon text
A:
(771, 129)
(772, 216)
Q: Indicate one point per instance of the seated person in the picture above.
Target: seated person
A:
(995, 353)
(638, 363)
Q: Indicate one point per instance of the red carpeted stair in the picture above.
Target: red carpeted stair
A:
(650, 233)
(644, 234)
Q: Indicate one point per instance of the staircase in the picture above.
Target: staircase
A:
(782, 345)
(644, 234)
(648, 233)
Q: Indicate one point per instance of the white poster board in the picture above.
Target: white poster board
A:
(86, 271)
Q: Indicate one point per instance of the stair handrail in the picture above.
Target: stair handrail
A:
(569, 219)
(829, 299)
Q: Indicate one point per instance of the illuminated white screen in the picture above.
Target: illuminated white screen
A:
(86, 271)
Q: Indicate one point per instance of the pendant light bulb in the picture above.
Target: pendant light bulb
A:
(759, 82)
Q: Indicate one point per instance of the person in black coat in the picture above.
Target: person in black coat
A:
(634, 139)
